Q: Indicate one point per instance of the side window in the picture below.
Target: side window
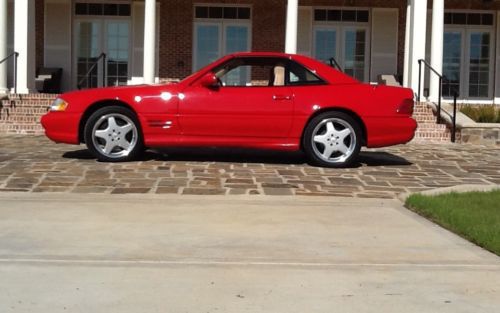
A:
(252, 72)
(297, 75)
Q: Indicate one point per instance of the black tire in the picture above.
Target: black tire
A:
(107, 132)
(345, 136)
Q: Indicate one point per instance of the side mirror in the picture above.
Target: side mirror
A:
(209, 80)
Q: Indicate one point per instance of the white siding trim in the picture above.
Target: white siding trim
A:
(496, 78)
(384, 42)
(305, 30)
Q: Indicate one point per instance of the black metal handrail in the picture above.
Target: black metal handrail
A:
(101, 57)
(454, 118)
(15, 55)
(440, 93)
(440, 85)
(334, 63)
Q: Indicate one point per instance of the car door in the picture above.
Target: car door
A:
(245, 104)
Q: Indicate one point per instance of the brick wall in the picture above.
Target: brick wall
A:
(470, 4)
(20, 114)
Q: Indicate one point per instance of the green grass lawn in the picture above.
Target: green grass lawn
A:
(472, 215)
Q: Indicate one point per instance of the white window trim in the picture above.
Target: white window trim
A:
(103, 19)
(343, 9)
(491, 61)
(465, 53)
(465, 60)
(103, 43)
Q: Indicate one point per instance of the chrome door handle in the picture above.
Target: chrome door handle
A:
(281, 97)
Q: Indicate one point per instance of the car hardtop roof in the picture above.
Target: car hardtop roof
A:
(321, 69)
(303, 59)
(261, 54)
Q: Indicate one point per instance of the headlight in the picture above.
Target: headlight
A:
(58, 105)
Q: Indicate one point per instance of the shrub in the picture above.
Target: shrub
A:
(482, 114)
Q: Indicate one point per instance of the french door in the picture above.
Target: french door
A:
(453, 58)
(347, 44)
(468, 62)
(213, 40)
(95, 36)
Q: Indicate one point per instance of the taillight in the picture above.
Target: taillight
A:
(406, 107)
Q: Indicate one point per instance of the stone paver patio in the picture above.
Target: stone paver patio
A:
(34, 164)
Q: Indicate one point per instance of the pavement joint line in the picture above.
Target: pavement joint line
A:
(237, 263)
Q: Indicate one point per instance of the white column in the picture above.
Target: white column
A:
(407, 63)
(3, 46)
(24, 44)
(497, 63)
(149, 41)
(418, 36)
(291, 26)
(436, 47)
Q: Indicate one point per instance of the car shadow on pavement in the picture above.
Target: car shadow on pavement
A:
(228, 155)
(380, 158)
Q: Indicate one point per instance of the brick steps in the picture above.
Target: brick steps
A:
(428, 130)
(26, 103)
(20, 114)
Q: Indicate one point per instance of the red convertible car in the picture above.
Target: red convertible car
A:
(251, 100)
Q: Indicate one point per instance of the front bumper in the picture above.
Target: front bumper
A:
(61, 127)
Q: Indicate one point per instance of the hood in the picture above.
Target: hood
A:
(125, 93)
(80, 100)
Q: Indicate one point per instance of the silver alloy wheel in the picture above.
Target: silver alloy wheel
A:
(333, 140)
(114, 135)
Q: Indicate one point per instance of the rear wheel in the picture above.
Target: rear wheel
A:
(332, 139)
(113, 134)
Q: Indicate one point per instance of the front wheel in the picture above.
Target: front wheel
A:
(332, 139)
(112, 134)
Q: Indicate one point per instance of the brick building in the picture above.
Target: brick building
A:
(146, 41)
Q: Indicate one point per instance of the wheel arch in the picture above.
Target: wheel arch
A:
(351, 113)
(96, 106)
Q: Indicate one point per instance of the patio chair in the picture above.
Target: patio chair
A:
(48, 80)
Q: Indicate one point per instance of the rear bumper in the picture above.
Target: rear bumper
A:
(388, 131)
(61, 126)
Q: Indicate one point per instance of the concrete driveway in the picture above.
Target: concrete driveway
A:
(171, 253)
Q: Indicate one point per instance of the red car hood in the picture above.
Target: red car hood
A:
(80, 99)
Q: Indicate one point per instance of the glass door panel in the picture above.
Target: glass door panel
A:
(479, 64)
(88, 48)
(236, 41)
(117, 39)
(452, 62)
(207, 44)
(236, 38)
(355, 53)
(325, 45)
